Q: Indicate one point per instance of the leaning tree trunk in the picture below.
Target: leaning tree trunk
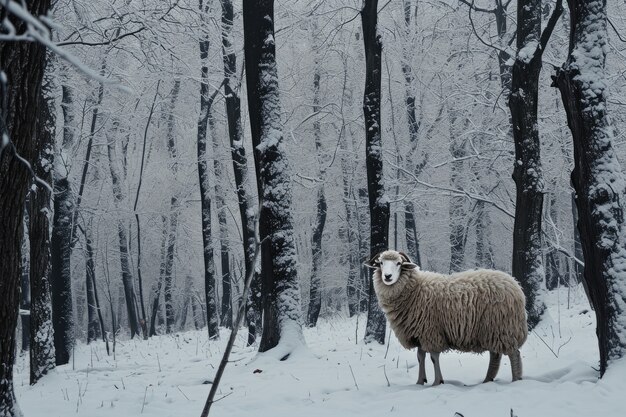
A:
(315, 299)
(19, 99)
(127, 276)
(527, 173)
(282, 317)
(42, 356)
(597, 177)
(205, 198)
(378, 204)
(240, 164)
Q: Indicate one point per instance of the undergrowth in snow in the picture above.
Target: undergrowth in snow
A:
(336, 375)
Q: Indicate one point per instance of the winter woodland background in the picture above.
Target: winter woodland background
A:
(126, 148)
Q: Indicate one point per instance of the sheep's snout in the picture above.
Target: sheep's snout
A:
(388, 277)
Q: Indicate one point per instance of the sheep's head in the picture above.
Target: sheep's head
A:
(390, 263)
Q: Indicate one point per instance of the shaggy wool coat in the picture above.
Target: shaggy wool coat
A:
(471, 311)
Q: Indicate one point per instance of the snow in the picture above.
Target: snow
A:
(528, 51)
(335, 375)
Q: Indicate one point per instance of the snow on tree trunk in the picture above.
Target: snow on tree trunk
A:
(119, 198)
(61, 246)
(597, 177)
(412, 240)
(170, 317)
(240, 163)
(42, 354)
(378, 203)
(19, 98)
(527, 265)
(159, 283)
(226, 318)
(282, 316)
(205, 198)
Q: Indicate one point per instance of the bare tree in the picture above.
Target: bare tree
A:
(527, 172)
(598, 178)
(19, 101)
(42, 356)
(282, 321)
(378, 203)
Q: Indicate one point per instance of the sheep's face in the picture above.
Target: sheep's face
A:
(390, 263)
(390, 270)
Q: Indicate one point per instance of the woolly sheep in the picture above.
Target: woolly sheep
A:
(471, 311)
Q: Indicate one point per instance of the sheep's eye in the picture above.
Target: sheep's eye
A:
(399, 263)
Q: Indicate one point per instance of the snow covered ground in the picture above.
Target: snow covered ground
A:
(336, 376)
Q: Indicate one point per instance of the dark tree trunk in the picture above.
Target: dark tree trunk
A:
(527, 173)
(127, 276)
(60, 278)
(597, 177)
(484, 251)
(95, 322)
(363, 227)
(170, 318)
(226, 318)
(240, 163)
(578, 247)
(378, 204)
(42, 356)
(412, 240)
(279, 272)
(159, 283)
(315, 299)
(554, 276)
(205, 198)
(23, 64)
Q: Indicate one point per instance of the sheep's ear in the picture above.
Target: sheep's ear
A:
(374, 262)
(409, 265)
(405, 257)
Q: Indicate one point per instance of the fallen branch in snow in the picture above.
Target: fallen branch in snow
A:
(240, 314)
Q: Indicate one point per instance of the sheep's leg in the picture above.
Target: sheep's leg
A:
(421, 359)
(438, 378)
(494, 365)
(516, 365)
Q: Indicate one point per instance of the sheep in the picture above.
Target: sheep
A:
(471, 311)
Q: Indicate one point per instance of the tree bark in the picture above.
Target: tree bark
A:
(205, 198)
(240, 164)
(597, 177)
(378, 204)
(282, 321)
(42, 354)
(527, 173)
(23, 64)
(226, 318)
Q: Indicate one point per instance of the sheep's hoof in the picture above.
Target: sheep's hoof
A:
(422, 382)
(437, 383)
(487, 380)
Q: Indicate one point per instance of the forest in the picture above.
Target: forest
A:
(197, 199)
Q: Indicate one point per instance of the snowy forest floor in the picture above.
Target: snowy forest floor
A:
(167, 376)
